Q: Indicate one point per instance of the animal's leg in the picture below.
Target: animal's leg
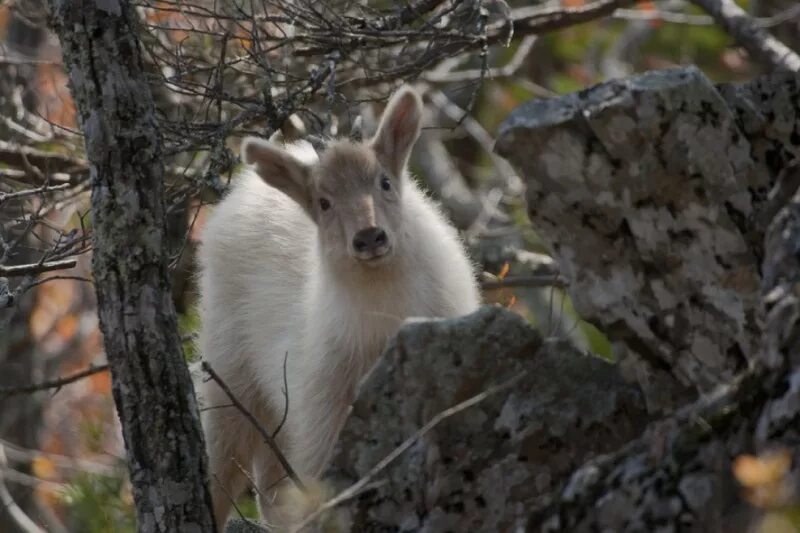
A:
(227, 443)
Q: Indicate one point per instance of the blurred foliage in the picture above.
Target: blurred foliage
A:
(188, 325)
(248, 507)
(100, 503)
(768, 483)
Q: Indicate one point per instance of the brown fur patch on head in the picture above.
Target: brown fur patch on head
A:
(346, 166)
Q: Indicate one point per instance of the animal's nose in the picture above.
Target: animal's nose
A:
(369, 239)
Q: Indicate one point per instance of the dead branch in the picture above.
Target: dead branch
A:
(529, 282)
(17, 453)
(17, 514)
(4, 197)
(751, 35)
(536, 20)
(507, 70)
(257, 425)
(16, 156)
(38, 268)
(52, 384)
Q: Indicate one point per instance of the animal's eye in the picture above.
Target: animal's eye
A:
(386, 184)
(324, 204)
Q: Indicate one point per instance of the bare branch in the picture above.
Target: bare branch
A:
(17, 514)
(751, 35)
(285, 397)
(36, 268)
(408, 14)
(17, 453)
(536, 20)
(507, 70)
(49, 162)
(4, 197)
(52, 384)
(531, 282)
(264, 434)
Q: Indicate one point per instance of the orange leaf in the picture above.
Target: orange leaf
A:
(767, 468)
(67, 326)
(43, 467)
(101, 382)
(504, 271)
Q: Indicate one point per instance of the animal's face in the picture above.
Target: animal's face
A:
(356, 203)
(354, 193)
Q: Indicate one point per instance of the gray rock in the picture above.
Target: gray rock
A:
(480, 469)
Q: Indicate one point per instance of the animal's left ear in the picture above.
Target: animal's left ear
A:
(398, 130)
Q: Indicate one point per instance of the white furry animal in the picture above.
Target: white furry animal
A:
(321, 259)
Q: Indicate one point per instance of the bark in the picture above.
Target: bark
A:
(151, 384)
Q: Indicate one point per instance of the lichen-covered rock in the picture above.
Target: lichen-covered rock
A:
(647, 191)
(482, 468)
(678, 475)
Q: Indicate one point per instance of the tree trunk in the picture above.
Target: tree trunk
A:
(151, 383)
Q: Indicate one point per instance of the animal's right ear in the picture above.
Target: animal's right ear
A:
(398, 130)
(280, 169)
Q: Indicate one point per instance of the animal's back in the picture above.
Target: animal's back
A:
(254, 262)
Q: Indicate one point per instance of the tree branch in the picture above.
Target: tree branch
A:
(36, 268)
(751, 35)
(53, 383)
(531, 282)
(536, 20)
(252, 419)
(22, 520)
(49, 162)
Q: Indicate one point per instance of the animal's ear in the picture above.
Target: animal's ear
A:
(398, 130)
(280, 169)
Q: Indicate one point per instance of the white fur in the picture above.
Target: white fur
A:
(266, 290)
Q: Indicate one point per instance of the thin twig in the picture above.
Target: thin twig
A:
(285, 397)
(7, 501)
(52, 384)
(266, 436)
(247, 474)
(36, 268)
(750, 35)
(17, 453)
(524, 281)
(507, 70)
(231, 499)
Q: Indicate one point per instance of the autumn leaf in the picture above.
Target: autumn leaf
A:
(504, 271)
(765, 478)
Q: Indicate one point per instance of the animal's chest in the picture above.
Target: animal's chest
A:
(358, 327)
